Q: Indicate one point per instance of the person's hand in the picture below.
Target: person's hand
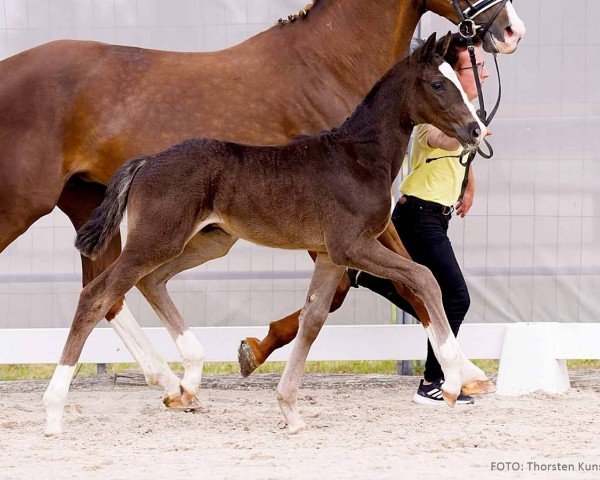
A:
(487, 133)
(464, 204)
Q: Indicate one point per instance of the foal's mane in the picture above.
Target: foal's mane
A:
(396, 69)
(300, 15)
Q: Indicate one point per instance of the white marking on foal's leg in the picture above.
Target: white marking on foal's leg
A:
(450, 74)
(55, 398)
(449, 356)
(192, 357)
(156, 371)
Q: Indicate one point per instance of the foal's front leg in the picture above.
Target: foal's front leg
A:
(420, 286)
(435, 325)
(320, 293)
(254, 352)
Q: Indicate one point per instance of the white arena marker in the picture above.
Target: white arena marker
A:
(528, 362)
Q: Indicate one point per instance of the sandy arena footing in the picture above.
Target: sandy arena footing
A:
(360, 427)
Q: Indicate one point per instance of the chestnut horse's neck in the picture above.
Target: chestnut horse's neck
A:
(356, 41)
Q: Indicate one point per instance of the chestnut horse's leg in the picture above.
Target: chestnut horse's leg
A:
(320, 294)
(254, 352)
(201, 248)
(24, 200)
(77, 201)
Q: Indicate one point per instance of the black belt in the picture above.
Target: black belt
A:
(427, 206)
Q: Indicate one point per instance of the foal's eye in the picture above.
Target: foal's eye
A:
(437, 86)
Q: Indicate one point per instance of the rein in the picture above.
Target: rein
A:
(468, 29)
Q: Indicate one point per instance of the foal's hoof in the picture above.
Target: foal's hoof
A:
(479, 387)
(185, 402)
(246, 358)
(52, 431)
(297, 428)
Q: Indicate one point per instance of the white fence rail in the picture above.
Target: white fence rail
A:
(532, 355)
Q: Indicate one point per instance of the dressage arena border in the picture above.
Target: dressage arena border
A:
(532, 355)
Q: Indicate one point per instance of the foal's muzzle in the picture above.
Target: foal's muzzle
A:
(471, 135)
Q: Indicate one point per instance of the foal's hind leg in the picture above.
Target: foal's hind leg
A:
(203, 247)
(78, 199)
(322, 288)
(150, 244)
(94, 302)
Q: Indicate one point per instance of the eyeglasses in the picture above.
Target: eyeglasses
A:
(480, 67)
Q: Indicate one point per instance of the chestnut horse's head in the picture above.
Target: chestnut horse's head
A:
(437, 96)
(497, 20)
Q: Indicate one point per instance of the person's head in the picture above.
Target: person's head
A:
(460, 61)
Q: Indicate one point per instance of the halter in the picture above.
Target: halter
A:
(468, 29)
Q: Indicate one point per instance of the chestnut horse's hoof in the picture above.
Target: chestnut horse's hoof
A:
(479, 387)
(246, 359)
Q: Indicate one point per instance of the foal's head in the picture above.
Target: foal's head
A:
(437, 97)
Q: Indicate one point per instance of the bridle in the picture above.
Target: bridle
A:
(468, 28)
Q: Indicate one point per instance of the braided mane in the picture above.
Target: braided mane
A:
(301, 14)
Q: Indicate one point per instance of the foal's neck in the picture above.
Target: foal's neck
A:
(356, 40)
(382, 122)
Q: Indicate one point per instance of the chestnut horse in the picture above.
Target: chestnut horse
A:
(329, 193)
(74, 111)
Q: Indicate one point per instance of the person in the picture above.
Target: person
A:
(430, 194)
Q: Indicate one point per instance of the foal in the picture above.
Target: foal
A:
(329, 194)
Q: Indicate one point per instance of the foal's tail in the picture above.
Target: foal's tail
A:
(93, 237)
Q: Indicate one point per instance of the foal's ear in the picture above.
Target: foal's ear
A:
(428, 49)
(442, 46)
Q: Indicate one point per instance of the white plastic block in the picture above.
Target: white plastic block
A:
(528, 361)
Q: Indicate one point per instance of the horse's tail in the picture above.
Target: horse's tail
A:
(93, 237)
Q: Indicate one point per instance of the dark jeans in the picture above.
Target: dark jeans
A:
(425, 236)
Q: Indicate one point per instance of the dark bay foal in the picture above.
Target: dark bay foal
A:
(329, 193)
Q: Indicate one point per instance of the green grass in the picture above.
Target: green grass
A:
(40, 372)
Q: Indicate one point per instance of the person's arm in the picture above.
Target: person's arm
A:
(464, 204)
(438, 139)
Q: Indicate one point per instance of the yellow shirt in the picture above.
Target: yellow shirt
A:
(439, 181)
